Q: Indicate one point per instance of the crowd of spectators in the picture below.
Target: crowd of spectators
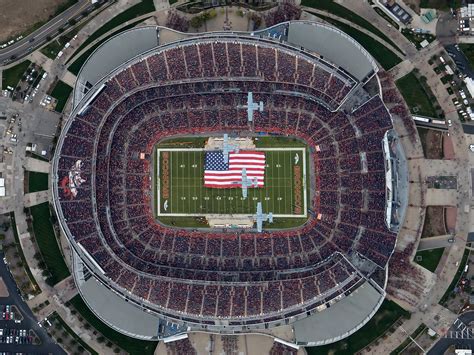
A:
(180, 347)
(189, 272)
(177, 22)
(281, 349)
(230, 344)
(285, 11)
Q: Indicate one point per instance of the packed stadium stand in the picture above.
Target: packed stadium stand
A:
(234, 280)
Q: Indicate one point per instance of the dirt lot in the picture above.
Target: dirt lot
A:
(434, 222)
(432, 142)
(451, 216)
(17, 16)
(448, 147)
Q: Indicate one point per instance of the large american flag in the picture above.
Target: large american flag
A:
(219, 174)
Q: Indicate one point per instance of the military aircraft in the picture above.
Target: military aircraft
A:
(261, 217)
(252, 106)
(228, 148)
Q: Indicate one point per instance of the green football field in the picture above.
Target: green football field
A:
(182, 192)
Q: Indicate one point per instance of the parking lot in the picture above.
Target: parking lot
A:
(20, 331)
(459, 59)
(16, 336)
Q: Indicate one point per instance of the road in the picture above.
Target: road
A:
(29, 320)
(459, 329)
(36, 39)
(441, 241)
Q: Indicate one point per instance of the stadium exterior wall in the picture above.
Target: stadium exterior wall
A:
(77, 106)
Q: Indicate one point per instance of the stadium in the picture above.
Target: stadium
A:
(149, 104)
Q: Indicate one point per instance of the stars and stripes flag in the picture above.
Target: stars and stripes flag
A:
(219, 174)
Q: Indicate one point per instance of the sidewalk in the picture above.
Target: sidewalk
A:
(428, 310)
(316, 12)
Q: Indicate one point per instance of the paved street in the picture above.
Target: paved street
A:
(40, 126)
(29, 321)
(36, 39)
(461, 335)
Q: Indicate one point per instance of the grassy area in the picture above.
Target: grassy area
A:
(430, 258)
(417, 38)
(281, 142)
(47, 243)
(341, 11)
(184, 142)
(131, 345)
(415, 95)
(440, 4)
(390, 20)
(183, 187)
(53, 48)
(468, 50)
(282, 223)
(456, 278)
(421, 328)
(142, 8)
(37, 181)
(187, 222)
(260, 142)
(382, 54)
(79, 62)
(61, 92)
(385, 317)
(32, 279)
(57, 318)
(11, 76)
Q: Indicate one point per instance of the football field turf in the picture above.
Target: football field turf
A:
(182, 192)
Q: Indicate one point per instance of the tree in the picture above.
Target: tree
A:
(100, 339)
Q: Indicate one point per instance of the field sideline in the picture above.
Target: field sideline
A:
(186, 195)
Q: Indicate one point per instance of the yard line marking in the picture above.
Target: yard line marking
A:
(192, 188)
